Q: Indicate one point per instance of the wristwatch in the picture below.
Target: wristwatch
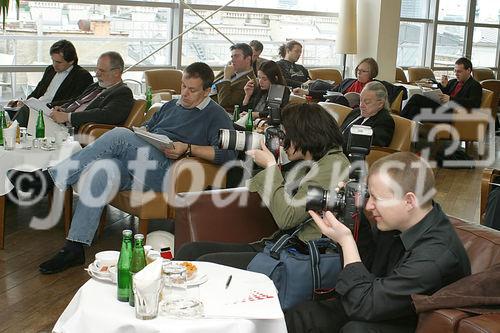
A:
(188, 151)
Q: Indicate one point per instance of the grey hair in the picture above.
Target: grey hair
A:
(380, 92)
(115, 60)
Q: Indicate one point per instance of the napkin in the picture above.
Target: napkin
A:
(149, 278)
(11, 131)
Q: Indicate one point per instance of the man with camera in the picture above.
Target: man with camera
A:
(416, 251)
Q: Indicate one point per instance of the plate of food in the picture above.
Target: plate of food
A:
(194, 276)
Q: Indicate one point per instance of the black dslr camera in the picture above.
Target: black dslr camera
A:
(273, 135)
(348, 202)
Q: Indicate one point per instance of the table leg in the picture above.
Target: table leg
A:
(2, 221)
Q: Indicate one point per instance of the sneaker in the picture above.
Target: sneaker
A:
(63, 260)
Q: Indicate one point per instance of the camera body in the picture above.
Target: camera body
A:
(347, 203)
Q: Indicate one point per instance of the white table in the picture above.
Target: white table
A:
(94, 308)
(27, 160)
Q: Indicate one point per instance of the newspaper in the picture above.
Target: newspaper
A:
(51, 127)
(36, 104)
(434, 94)
(160, 141)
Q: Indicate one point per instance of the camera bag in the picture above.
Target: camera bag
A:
(297, 275)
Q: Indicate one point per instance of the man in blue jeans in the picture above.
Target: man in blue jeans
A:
(120, 160)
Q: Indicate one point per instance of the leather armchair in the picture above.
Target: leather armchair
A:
(91, 131)
(483, 73)
(338, 111)
(198, 218)
(487, 179)
(400, 75)
(331, 74)
(164, 80)
(418, 73)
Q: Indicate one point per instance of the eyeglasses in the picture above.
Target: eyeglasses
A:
(105, 70)
(362, 71)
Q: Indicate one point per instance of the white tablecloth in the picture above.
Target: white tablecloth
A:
(95, 308)
(31, 160)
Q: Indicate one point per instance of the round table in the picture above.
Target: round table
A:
(94, 308)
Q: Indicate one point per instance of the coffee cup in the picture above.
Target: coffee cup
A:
(106, 258)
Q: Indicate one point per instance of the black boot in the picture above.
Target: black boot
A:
(72, 254)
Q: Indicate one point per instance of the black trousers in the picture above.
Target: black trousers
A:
(328, 316)
(22, 116)
(416, 103)
(229, 254)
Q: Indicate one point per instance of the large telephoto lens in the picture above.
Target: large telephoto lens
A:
(318, 199)
(239, 140)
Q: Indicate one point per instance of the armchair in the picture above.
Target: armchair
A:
(330, 74)
(418, 73)
(164, 80)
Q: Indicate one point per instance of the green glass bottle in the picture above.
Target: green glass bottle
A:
(138, 262)
(249, 123)
(236, 113)
(149, 98)
(123, 268)
(3, 124)
(40, 126)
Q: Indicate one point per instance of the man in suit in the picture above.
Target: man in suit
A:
(227, 89)
(464, 90)
(373, 111)
(64, 80)
(107, 101)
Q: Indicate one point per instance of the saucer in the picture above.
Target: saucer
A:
(109, 276)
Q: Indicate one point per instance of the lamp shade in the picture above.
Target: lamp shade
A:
(346, 34)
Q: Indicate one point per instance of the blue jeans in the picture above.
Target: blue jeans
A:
(118, 160)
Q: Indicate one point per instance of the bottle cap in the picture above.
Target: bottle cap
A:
(138, 236)
(127, 232)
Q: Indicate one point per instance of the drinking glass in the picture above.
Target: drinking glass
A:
(146, 300)
(176, 300)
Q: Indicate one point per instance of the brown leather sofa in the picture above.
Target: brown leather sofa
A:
(199, 217)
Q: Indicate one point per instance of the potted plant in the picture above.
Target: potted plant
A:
(4, 8)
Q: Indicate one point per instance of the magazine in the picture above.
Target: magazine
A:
(160, 141)
(36, 104)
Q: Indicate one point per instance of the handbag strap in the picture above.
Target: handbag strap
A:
(283, 240)
(314, 254)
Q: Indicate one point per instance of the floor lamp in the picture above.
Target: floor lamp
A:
(347, 33)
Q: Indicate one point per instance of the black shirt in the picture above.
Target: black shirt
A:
(420, 260)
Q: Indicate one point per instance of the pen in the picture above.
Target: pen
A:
(229, 281)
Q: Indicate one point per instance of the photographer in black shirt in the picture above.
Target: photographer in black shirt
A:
(417, 252)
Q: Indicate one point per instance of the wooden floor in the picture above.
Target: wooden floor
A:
(32, 302)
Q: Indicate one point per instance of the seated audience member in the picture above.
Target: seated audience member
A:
(464, 90)
(366, 71)
(228, 85)
(257, 49)
(256, 97)
(62, 81)
(112, 161)
(108, 101)
(373, 111)
(294, 73)
(284, 193)
(417, 251)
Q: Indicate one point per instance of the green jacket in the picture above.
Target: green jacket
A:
(229, 93)
(289, 210)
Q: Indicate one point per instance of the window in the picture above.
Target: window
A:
(453, 10)
(449, 44)
(484, 47)
(411, 44)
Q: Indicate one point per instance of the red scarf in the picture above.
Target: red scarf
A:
(356, 86)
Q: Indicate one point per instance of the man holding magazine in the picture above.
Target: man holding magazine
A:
(464, 90)
(121, 160)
